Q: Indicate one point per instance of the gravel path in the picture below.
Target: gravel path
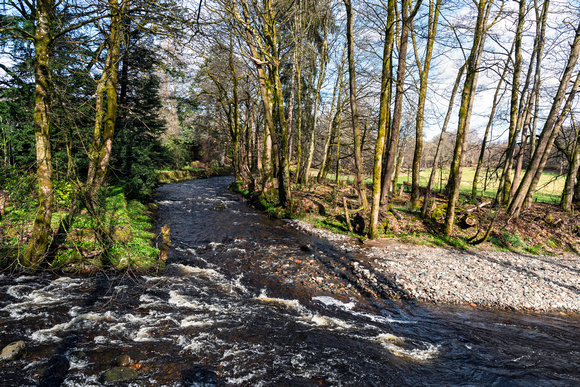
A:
(493, 279)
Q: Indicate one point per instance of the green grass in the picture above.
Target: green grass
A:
(549, 188)
(118, 237)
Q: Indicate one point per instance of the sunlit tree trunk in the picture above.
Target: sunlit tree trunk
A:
(337, 180)
(573, 164)
(528, 124)
(323, 170)
(334, 137)
(41, 230)
(397, 115)
(423, 80)
(105, 118)
(383, 120)
(298, 123)
(467, 97)
(359, 179)
(292, 101)
(526, 189)
(236, 133)
(305, 169)
(266, 93)
(505, 184)
(283, 171)
(557, 127)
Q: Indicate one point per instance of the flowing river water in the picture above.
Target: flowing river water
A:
(220, 315)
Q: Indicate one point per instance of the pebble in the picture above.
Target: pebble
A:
(492, 279)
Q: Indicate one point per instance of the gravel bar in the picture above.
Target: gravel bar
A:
(494, 279)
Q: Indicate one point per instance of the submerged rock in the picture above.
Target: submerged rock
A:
(123, 361)
(119, 374)
(12, 351)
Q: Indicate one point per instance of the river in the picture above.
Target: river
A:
(219, 315)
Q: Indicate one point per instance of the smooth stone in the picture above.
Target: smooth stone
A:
(12, 351)
(123, 361)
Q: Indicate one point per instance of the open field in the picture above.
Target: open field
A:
(549, 189)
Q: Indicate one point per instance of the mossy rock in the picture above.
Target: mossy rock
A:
(119, 374)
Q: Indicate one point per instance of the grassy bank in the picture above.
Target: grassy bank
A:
(116, 236)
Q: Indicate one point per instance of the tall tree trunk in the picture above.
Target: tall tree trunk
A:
(337, 180)
(572, 175)
(504, 189)
(249, 138)
(284, 189)
(576, 198)
(334, 137)
(283, 169)
(528, 125)
(527, 187)
(551, 140)
(423, 82)
(399, 93)
(105, 119)
(266, 94)
(299, 123)
(236, 137)
(359, 179)
(292, 101)
(305, 170)
(39, 238)
(331, 120)
(385, 106)
(465, 109)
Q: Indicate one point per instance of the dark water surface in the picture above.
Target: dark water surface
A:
(215, 317)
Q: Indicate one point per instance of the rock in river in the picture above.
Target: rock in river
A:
(123, 361)
(12, 351)
(118, 374)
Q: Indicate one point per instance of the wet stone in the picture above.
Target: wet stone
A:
(118, 374)
(12, 351)
(123, 361)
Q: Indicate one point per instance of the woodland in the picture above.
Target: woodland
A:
(375, 110)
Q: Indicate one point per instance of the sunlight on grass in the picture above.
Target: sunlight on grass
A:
(549, 188)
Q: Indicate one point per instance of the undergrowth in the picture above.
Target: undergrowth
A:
(115, 235)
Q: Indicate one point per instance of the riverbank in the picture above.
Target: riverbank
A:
(490, 279)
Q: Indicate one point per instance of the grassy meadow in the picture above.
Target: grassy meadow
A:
(549, 188)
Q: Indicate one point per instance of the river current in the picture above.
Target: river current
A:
(218, 316)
